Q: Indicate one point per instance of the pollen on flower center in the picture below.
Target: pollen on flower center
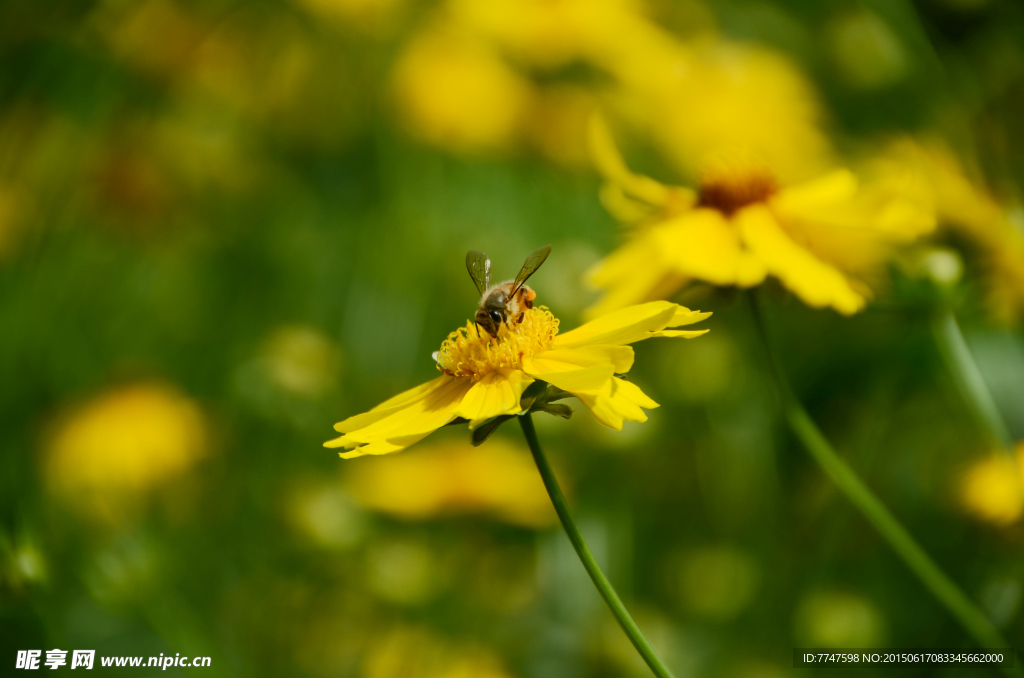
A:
(470, 352)
(729, 192)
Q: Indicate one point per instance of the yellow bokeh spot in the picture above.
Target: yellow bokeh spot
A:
(867, 51)
(411, 652)
(326, 516)
(497, 478)
(839, 619)
(301, 360)
(718, 582)
(124, 443)
(471, 352)
(993, 489)
(458, 93)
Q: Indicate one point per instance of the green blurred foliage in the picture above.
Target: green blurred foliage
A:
(220, 197)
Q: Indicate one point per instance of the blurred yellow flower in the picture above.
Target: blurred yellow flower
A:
(326, 515)
(553, 33)
(301, 360)
(693, 96)
(697, 107)
(839, 619)
(123, 444)
(454, 90)
(485, 376)
(823, 239)
(403, 571)
(717, 582)
(497, 479)
(866, 50)
(965, 207)
(993, 488)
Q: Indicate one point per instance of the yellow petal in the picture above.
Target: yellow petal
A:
(854, 227)
(388, 429)
(685, 316)
(701, 244)
(625, 326)
(610, 164)
(634, 273)
(684, 334)
(411, 394)
(585, 379)
(835, 188)
(619, 401)
(624, 208)
(495, 394)
(389, 406)
(568, 359)
(623, 262)
(750, 270)
(817, 283)
(382, 446)
(628, 392)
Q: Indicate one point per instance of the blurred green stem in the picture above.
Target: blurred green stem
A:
(604, 587)
(970, 383)
(933, 578)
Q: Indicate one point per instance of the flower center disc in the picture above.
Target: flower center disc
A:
(728, 193)
(471, 352)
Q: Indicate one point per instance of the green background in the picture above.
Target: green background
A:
(722, 535)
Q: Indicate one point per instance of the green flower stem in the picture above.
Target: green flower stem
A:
(604, 587)
(933, 578)
(969, 381)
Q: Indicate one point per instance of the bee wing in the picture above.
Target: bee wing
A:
(533, 262)
(479, 267)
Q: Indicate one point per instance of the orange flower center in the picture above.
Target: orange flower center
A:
(471, 352)
(733, 191)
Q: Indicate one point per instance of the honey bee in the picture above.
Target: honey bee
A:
(506, 301)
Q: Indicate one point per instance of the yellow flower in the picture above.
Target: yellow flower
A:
(823, 239)
(696, 101)
(549, 34)
(455, 91)
(498, 479)
(993, 488)
(693, 96)
(123, 444)
(484, 377)
(965, 207)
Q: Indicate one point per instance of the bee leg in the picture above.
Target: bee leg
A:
(520, 318)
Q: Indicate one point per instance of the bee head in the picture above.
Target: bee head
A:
(489, 320)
